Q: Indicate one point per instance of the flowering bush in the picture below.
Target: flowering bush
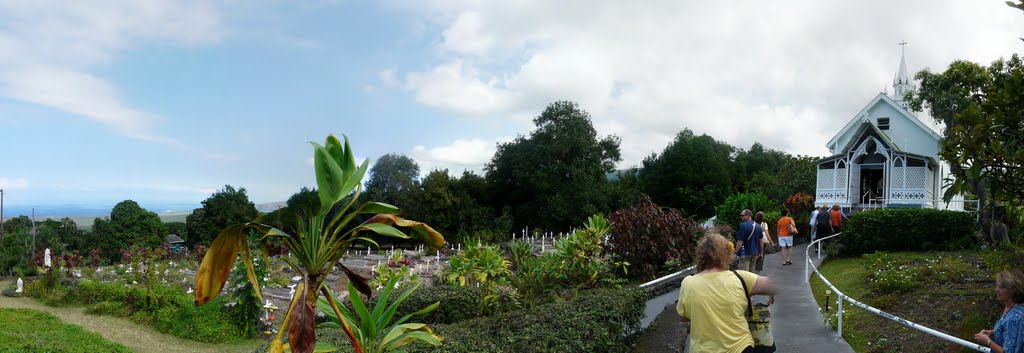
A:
(888, 275)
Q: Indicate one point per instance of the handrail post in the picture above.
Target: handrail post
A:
(819, 250)
(807, 266)
(839, 313)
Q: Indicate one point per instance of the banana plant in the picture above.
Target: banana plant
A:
(375, 332)
(319, 242)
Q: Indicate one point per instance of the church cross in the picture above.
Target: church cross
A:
(903, 46)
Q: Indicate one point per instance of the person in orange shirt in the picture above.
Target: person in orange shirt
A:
(837, 217)
(787, 228)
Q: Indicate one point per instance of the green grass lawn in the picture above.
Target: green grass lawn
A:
(952, 292)
(25, 330)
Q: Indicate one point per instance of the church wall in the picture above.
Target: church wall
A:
(905, 133)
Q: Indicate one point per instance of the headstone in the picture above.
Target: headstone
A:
(47, 261)
(190, 291)
(21, 286)
(296, 278)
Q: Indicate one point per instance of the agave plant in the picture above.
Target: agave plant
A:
(317, 246)
(375, 332)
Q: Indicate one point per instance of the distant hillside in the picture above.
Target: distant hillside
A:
(84, 217)
(270, 206)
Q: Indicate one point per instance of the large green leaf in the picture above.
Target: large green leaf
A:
(383, 229)
(329, 177)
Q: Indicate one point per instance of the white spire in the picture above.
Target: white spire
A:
(901, 83)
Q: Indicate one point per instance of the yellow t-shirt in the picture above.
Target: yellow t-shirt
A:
(715, 304)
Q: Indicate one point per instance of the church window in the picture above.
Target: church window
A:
(883, 123)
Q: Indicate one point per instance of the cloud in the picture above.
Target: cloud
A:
(462, 154)
(49, 49)
(13, 183)
(788, 75)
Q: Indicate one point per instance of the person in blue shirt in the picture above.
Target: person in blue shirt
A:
(1008, 335)
(748, 242)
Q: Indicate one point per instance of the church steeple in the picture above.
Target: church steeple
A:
(901, 83)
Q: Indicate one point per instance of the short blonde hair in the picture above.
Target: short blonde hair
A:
(1013, 281)
(713, 252)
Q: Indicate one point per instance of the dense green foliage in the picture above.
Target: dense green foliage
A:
(556, 176)
(128, 225)
(647, 236)
(225, 207)
(457, 207)
(390, 179)
(729, 211)
(905, 229)
(168, 309)
(24, 330)
(693, 173)
(600, 320)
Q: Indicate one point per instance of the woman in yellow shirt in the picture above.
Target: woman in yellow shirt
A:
(714, 302)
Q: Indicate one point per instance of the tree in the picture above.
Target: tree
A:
(316, 248)
(392, 176)
(692, 173)
(448, 204)
(555, 177)
(983, 139)
(128, 225)
(225, 207)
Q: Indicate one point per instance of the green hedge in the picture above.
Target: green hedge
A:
(168, 309)
(907, 229)
(601, 320)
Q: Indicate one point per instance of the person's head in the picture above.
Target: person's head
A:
(759, 217)
(835, 207)
(785, 212)
(713, 252)
(824, 207)
(746, 215)
(1010, 286)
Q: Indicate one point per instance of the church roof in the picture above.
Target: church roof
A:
(867, 128)
(881, 97)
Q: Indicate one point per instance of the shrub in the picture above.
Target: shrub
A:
(646, 236)
(457, 304)
(901, 229)
(107, 308)
(729, 211)
(888, 276)
(601, 320)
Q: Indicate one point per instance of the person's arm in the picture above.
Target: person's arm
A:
(984, 337)
(764, 286)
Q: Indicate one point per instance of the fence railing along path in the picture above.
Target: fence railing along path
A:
(809, 265)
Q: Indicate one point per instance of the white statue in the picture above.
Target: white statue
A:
(47, 261)
(21, 286)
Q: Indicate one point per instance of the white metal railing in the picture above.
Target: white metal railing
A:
(809, 265)
(668, 277)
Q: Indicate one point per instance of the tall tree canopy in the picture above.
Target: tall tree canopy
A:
(693, 173)
(453, 206)
(391, 176)
(983, 139)
(225, 207)
(555, 177)
(128, 225)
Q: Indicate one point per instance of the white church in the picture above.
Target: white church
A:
(884, 157)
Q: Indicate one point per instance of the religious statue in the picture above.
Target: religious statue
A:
(47, 261)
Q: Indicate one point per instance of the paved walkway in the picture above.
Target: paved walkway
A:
(796, 323)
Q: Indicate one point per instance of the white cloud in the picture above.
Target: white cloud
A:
(460, 155)
(13, 183)
(788, 75)
(49, 48)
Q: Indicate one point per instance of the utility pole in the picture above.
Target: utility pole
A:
(1, 215)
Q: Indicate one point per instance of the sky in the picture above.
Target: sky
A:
(165, 101)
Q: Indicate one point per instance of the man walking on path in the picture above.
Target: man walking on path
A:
(824, 222)
(748, 242)
(786, 231)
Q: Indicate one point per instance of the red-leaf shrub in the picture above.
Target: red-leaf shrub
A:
(647, 236)
(800, 206)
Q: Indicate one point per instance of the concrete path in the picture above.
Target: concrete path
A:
(796, 323)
